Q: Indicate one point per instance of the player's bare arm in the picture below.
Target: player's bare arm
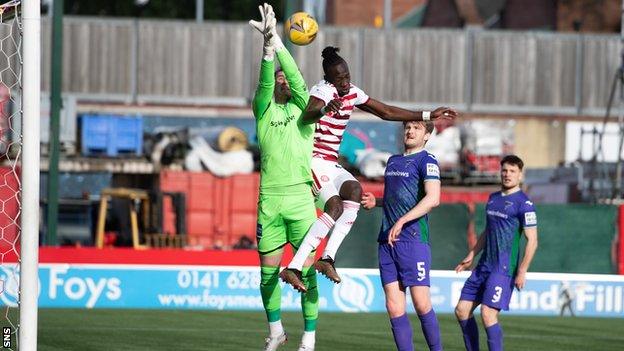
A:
(394, 113)
(431, 200)
(316, 109)
(467, 261)
(529, 251)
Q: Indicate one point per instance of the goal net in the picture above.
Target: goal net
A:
(19, 171)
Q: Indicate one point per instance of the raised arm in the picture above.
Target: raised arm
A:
(529, 251)
(297, 84)
(295, 80)
(264, 91)
(394, 113)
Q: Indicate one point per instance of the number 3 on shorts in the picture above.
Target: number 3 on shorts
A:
(497, 295)
(422, 274)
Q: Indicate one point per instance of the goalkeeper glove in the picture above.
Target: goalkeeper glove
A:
(266, 26)
(275, 38)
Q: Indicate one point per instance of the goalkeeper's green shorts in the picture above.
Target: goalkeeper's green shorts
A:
(284, 216)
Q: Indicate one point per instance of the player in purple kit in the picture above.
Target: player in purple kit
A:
(412, 189)
(509, 213)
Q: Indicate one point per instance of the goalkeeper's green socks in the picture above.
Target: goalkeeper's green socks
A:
(309, 306)
(271, 298)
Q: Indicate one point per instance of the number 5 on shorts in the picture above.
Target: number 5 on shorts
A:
(497, 295)
(422, 274)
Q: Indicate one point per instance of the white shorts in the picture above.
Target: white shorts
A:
(328, 178)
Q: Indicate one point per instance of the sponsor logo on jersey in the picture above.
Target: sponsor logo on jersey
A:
(528, 203)
(497, 214)
(433, 170)
(530, 218)
(324, 178)
(282, 123)
(397, 174)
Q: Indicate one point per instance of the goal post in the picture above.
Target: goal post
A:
(29, 213)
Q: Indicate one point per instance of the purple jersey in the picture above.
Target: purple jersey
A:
(405, 179)
(507, 216)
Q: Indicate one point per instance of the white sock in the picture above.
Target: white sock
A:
(317, 232)
(276, 329)
(308, 338)
(342, 228)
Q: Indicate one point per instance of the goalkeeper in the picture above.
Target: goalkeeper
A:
(286, 204)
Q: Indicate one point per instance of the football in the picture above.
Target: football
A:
(301, 28)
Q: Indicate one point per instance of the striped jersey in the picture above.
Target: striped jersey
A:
(331, 127)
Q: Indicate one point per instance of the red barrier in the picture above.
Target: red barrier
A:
(242, 191)
(620, 258)
(220, 211)
(127, 255)
(447, 195)
(376, 188)
(467, 197)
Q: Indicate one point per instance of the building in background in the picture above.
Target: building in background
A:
(560, 15)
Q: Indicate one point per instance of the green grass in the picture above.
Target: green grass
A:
(79, 329)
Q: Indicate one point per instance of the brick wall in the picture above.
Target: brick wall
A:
(594, 15)
(363, 12)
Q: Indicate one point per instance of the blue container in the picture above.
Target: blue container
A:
(111, 135)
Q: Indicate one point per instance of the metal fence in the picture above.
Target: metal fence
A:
(217, 63)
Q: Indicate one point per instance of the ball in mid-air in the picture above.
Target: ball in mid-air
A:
(301, 28)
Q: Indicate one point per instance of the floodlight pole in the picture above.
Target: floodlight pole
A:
(617, 188)
(618, 83)
(199, 11)
(387, 18)
(55, 117)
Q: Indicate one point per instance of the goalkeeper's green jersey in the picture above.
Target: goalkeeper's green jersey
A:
(285, 141)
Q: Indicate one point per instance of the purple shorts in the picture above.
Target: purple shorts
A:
(408, 262)
(492, 289)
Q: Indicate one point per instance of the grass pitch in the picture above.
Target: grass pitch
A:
(108, 329)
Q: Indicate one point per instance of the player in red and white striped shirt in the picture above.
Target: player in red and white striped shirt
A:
(330, 106)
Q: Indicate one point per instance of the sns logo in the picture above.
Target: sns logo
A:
(77, 288)
(354, 294)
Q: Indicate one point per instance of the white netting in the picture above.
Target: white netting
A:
(10, 150)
